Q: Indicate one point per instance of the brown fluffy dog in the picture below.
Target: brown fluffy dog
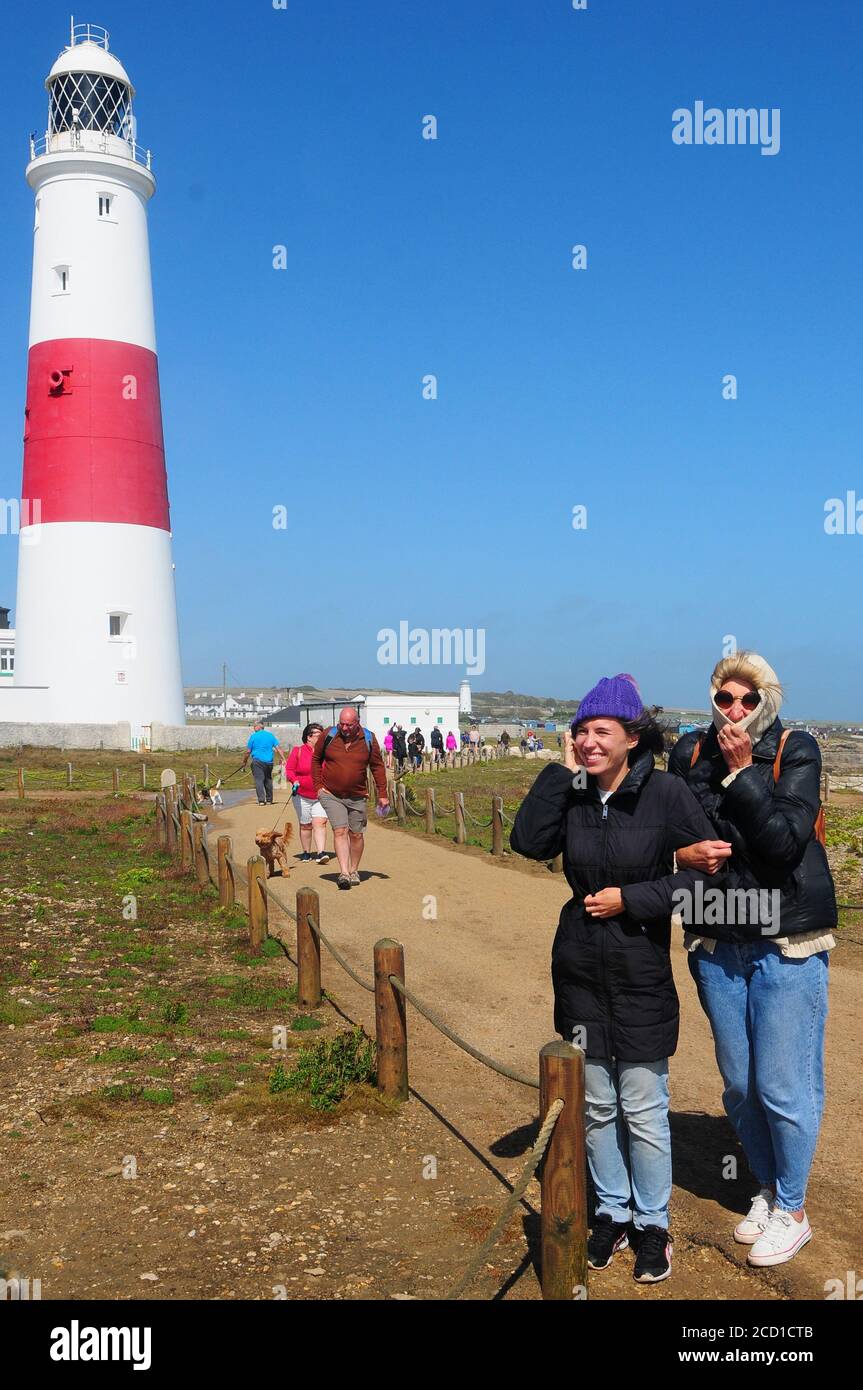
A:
(273, 845)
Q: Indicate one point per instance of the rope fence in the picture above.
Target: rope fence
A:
(536, 1155)
(559, 1146)
(560, 1142)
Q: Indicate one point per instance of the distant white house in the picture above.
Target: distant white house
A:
(381, 710)
(237, 704)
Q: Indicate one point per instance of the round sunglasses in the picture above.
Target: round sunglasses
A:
(724, 699)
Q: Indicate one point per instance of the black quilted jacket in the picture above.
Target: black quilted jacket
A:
(770, 825)
(612, 977)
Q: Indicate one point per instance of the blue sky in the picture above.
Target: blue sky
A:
(556, 387)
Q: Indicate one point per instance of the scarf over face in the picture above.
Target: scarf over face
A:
(759, 720)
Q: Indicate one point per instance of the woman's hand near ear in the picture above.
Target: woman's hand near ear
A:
(570, 756)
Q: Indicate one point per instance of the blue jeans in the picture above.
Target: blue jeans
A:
(767, 1012)
(628, 1139)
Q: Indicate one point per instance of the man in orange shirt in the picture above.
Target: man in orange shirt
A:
(339, 763)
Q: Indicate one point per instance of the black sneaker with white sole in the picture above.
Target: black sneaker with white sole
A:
(653, 1257)
(606, 1238)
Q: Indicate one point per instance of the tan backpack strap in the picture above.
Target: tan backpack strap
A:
(696, 752)
(777, 761)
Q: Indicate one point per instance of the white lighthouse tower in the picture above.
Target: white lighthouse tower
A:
(96, 612)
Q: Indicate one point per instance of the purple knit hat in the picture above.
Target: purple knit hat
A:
(614, 697)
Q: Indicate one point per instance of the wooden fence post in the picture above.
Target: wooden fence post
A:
(497, 825)
(170, 825)
(557, 864)
(258, 903)
(401, 806)
(227, 887)
(68, 774)
(202, 867)
(564, 1176)
(430, 809)
(308, 949)
(390, 1020)
(460, 833)
(116, 781)
(162, 820)
(206, 774)
(144, 776)
(186, 848)
(21, 782)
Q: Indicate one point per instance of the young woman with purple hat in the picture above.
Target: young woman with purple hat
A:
(617, 823)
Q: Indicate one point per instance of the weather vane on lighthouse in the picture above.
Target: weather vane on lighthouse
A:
(97, 636)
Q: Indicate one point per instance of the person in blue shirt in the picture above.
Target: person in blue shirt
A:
(262, 748)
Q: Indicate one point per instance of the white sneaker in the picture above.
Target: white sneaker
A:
(781, 1239)
(747, 1231)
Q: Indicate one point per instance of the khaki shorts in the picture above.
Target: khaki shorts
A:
(350, 811)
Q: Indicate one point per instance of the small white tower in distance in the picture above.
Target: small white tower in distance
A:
(96, 615)
(464, 698)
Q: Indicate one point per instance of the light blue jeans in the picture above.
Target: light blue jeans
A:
(767, 1012)
(628, 1139)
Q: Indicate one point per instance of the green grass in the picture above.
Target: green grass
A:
(212, 1087)
(247, 994)
(45, 768)
(325, 1072)
(133, 1091)
(119, 1054)
(13, 1013)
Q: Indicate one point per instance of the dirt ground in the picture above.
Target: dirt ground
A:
(383, 1204)
(484, 965)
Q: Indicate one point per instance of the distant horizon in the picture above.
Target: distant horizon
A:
(523, 697)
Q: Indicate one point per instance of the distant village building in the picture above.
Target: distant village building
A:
(379, 710)
(214, 703)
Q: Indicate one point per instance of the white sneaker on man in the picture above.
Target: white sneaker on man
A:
(747, 1231)
(781, 1239)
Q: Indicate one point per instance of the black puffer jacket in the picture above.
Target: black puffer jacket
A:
(613, 976)
(770, 825)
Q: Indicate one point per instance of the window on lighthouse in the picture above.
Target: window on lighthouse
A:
(105, 201)
(61, 279)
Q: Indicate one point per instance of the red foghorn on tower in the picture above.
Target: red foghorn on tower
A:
(96, 621)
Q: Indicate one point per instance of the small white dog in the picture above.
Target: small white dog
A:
(215, 794)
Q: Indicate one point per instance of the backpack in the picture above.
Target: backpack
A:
(818, 824)
(331, 733)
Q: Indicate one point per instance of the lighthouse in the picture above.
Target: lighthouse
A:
(96, 619)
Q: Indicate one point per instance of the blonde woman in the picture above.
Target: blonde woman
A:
(762, 981)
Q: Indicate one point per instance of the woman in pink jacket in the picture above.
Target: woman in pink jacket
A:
(310, 813)
(388, 748)
(451, 745)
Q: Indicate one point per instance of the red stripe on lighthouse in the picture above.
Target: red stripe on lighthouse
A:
(93, 447)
